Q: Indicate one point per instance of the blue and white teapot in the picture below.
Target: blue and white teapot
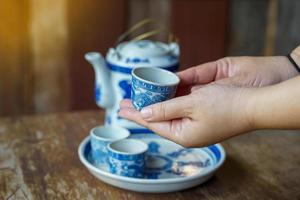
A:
(113, 75)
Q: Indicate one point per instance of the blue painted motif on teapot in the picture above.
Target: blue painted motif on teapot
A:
(97, 93)
(125, 85)
(137, 60)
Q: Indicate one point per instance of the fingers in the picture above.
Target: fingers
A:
(201, 74)
(175, 108)
(172, 109)
(206, 73)
(132, 114)
(234, 81)
(126, 103)
(175, 130)
(171, 130)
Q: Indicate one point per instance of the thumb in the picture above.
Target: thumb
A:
(175, 108)
(201, 74)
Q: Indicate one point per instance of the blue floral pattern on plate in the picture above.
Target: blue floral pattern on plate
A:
(166, 159)
(164, 173)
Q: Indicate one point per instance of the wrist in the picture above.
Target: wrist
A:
(296, 55)
(283, 69)
(276, 106)
(245, 109)
(253, 100)
(288, 70)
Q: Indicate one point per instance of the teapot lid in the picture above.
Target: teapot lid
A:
(142, 48)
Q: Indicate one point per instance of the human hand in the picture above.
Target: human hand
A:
(212, 105)
(239, 71)
(206, 116)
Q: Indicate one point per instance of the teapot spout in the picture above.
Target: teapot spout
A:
(103, 90)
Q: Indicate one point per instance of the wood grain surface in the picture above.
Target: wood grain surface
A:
(38, 160)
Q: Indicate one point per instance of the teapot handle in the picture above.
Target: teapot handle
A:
(134, 28)
(171, 37)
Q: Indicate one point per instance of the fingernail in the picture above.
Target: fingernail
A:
(146, 113)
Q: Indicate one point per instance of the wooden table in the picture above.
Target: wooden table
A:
(38, 160)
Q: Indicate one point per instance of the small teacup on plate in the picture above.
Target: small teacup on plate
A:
(127, 157)
(152, 85)
(101, 136)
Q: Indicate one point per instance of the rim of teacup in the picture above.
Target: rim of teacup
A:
(171, 74)
(113, 130)
(116, 146)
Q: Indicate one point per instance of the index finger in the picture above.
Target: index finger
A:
(171, 130)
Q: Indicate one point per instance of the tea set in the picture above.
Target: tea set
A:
(113, 75)
(129, 156)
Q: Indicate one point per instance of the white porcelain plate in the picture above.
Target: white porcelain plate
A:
(170, 167)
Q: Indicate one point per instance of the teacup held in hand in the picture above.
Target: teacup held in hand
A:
(152, 85)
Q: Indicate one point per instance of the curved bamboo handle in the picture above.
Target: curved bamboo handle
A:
(171, 37)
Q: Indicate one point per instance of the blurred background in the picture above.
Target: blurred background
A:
(42, 42)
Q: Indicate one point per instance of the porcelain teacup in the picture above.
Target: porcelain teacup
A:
(127, 157)
(101, 136)
(152, 85)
